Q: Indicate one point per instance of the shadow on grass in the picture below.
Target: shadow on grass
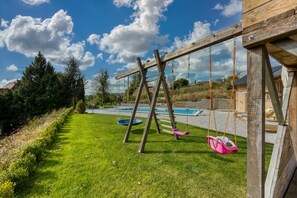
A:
(178, 152)
(25, 189)
(140, 131)
(219, 157)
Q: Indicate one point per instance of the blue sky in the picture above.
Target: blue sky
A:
(110, 34)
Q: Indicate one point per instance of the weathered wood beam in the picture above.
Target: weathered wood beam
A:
(285, 51)
(287, 44)
(282, 158)
(270, 30)
(272, 89)
(293, 114)
(215, 38)
(161, 68)
(283, 57)
(256, 123)
(142, 84)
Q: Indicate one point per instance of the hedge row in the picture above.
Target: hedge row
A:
(18, 172)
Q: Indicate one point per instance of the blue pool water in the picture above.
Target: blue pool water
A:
(178, 111)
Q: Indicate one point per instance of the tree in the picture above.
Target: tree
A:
(180, 83)
(40, 87)
(101, 85)
(134, 84)
(73, 83)
(12, 111)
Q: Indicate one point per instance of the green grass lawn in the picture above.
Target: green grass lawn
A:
(89, 159)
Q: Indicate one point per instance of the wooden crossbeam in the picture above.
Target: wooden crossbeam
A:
(273, 29)
(215, 38)
(287, 44)
(285, 51)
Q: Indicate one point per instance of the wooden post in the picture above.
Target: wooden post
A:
(161, 79)
(293, 114)
(147, 91)
(134, 111)
(142, 84)
(149, 118)
(161, 68)
(272, 89)
(256, 123)
(282, 162)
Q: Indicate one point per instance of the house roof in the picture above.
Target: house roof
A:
(10, 85)
(277, 70)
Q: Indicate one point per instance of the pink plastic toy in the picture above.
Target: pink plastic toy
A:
(221, 144)
(179, 133)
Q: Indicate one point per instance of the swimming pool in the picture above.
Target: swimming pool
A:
(177, 111)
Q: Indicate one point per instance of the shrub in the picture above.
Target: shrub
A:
(6, 189)
(80, 107)
(18, 171)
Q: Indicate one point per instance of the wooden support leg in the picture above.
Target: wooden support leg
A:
(256, 123)
(149, 118)
(293, 115)
(134, 110)
(272, 90)
(146, 88)
(282, 163)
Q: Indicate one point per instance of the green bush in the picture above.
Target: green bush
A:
(80, 107)
(18, 172)
(6, 189)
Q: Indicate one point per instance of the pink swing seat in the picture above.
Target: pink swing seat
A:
(221, 145)
(180, 133)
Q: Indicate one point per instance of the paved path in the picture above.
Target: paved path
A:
(200, 120)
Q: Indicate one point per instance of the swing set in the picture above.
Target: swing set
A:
(166, 123)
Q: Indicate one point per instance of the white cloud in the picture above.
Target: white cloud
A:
(94, 39)
(216, 22)
(100, 56)
(35, 2)
(222, 56)
(126, 42)
(12, 68)
(120, 3)
(51, 36)
(200, 31)
(218, 7)
(232, 8)
(4, 24)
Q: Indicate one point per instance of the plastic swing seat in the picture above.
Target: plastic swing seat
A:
(125, 122)
(180, 133)
(221, 144)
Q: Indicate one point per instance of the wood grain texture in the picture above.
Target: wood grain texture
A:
(282, 162)
(256, 123)
(270, 83)
(285, 58)
(293, 114)
(248, 5)
(265, 11)
(269, 32)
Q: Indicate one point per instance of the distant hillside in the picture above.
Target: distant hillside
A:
(193, 92)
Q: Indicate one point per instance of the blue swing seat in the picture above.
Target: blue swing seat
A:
(125, 122)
